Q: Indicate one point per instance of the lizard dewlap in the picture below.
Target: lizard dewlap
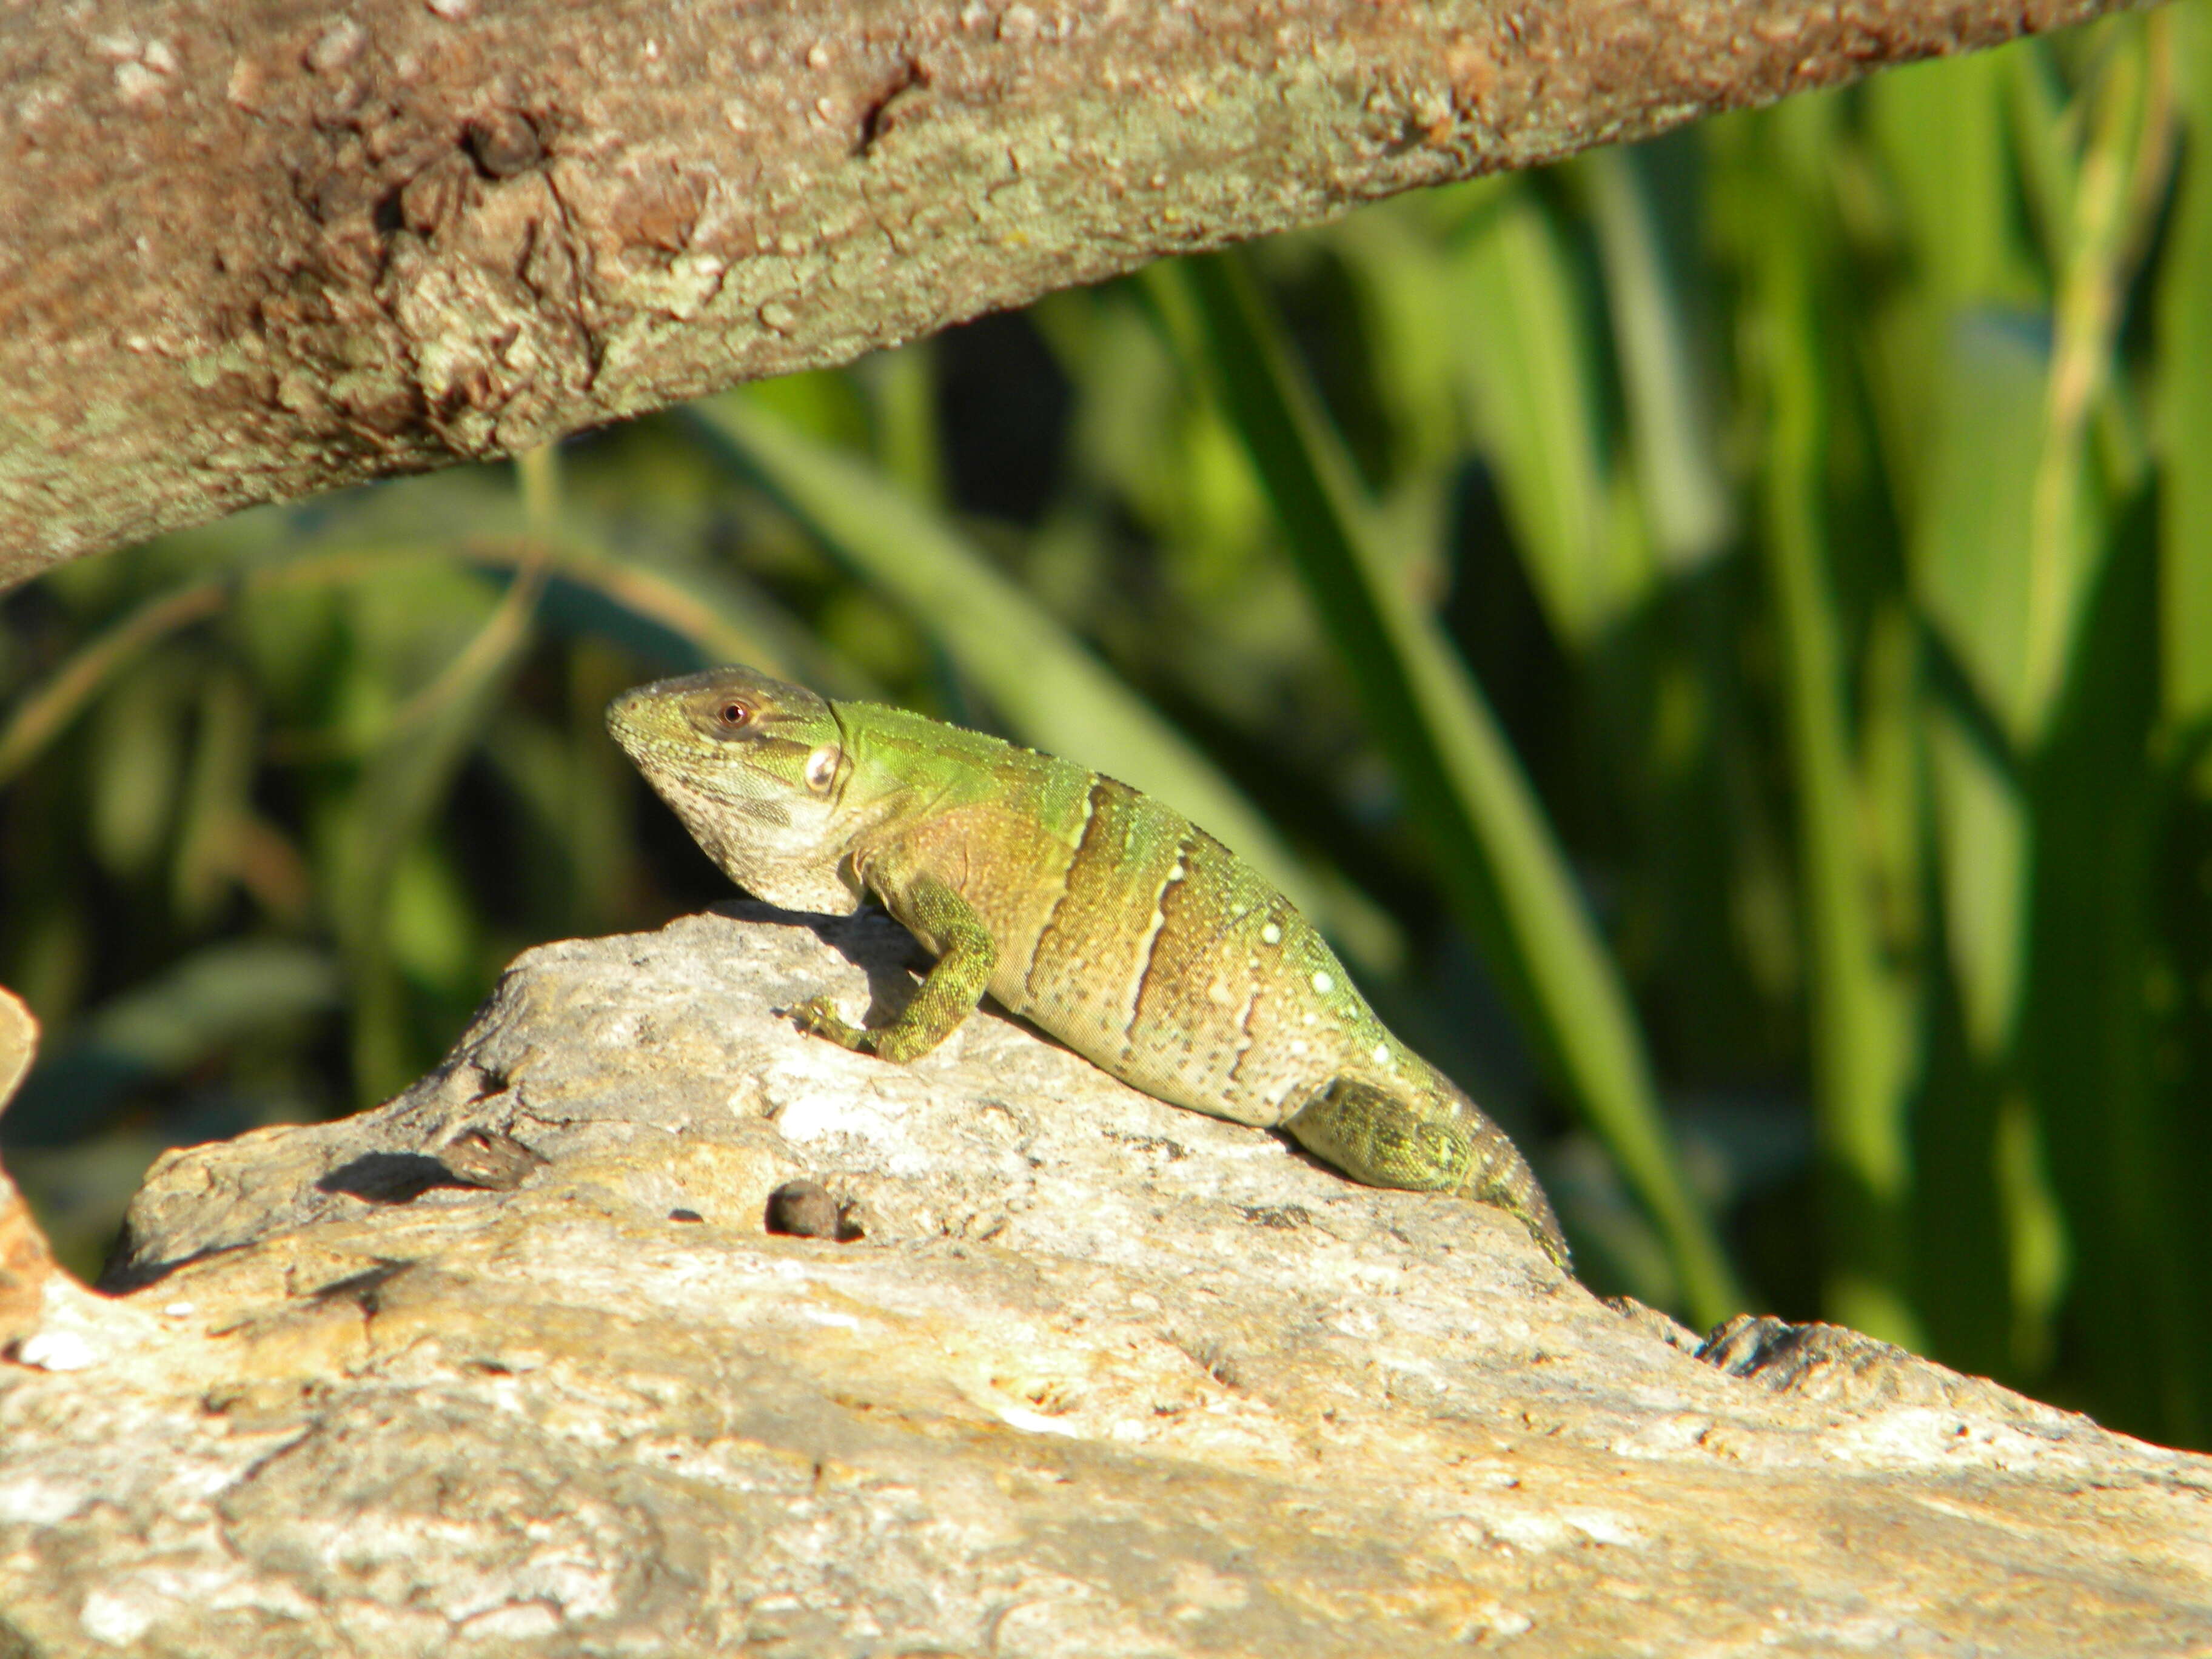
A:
(1108, 920)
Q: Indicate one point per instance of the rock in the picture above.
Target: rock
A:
(516, 1361)
(25, 1264)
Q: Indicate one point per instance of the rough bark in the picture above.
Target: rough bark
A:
(252, 249)
(1044, 1367)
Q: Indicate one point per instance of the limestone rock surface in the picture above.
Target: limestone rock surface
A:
(512, 1364)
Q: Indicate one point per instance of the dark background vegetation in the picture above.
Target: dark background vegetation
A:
(1818, 504)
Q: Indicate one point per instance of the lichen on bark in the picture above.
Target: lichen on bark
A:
(253, 253)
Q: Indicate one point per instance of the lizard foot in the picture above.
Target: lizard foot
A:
(818, 1017)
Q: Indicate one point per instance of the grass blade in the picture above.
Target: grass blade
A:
(2093, 1029)
(1975, 485)
(2121, 188)
(2184, 331)
(1535, 403)
(1857, 1014)
(1671, 429)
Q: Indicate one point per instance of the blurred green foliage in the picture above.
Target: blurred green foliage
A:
(1720, 632)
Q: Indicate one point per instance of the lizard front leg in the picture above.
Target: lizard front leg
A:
(967, 954)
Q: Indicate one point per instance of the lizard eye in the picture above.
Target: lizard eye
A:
(732, 715)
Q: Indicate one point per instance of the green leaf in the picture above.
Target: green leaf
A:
(1943, 131)
(2185, 390)
(1982, 842)
(1859, 1034)
(1409, 300)
(45, 713)
(217, 800)
(1672, 434)
(2094, 1023)
(1977, 492)
(137, 758)
(1526, 356)
(419, 746)
(163, 1029)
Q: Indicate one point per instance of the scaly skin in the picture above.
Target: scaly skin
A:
(1113, 923)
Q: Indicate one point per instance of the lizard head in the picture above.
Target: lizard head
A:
(756, 768)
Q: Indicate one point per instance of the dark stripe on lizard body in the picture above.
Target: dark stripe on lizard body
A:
(1085, 973)
(1142, 1041)
(1024, 946)
(1189, 1030)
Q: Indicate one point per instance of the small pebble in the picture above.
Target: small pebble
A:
(803, 1209)
(488, 1159)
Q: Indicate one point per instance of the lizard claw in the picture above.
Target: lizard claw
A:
(817, 1017)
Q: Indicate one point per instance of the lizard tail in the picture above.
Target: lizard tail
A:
(1497, 1174)
(1436, 1140)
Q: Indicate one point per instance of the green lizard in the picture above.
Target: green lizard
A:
(1107, 919)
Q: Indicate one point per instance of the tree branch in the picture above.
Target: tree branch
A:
(252, 249)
